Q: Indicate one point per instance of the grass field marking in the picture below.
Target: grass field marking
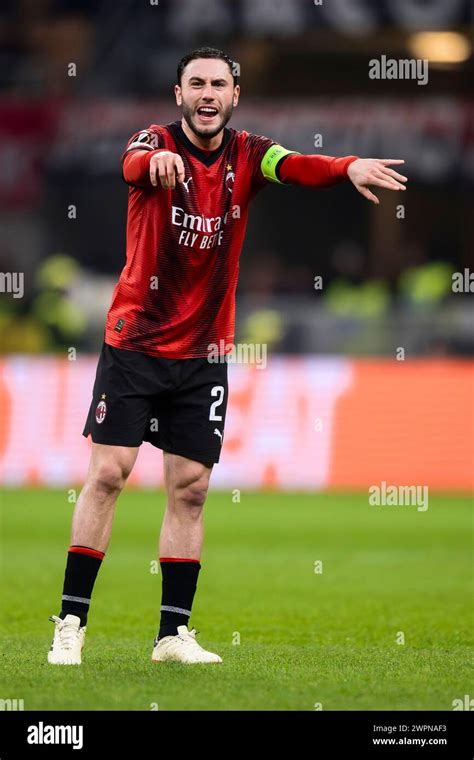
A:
(400, 638)
(318, 567)
(235, 638)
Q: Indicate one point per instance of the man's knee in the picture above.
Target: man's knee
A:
(109, 476)
(187, 483)
(190, 489)
(193, 495)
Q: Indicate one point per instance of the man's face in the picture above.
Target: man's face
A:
(207, 96)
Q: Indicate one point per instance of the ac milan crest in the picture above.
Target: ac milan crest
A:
(229, 178)
(101, 410)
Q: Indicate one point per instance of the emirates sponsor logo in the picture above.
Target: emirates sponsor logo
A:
(201, 231)
(197, 222)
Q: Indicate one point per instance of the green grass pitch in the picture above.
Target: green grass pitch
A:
(307, 638)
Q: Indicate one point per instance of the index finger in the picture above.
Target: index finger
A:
(179, 166)
(388, 161)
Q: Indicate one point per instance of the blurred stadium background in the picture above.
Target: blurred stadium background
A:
(369, 375)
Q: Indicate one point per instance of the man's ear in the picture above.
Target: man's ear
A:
(177, 93)
(236, 95)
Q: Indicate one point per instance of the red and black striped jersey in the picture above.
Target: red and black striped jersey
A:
(176, 294)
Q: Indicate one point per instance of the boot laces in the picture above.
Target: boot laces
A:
(67, 632)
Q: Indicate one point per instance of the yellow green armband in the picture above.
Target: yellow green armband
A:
(271, 160)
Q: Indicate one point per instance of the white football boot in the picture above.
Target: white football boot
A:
(68, 641)
(182, 648)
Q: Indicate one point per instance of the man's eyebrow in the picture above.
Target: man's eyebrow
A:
(213, 81)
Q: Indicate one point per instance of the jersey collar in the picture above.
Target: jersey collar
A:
(202, 155)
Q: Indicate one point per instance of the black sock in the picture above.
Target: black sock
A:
(82, 567)
(178, 588)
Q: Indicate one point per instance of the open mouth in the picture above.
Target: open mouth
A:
(207, 113)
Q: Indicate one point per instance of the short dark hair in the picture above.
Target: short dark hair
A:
(208, 52)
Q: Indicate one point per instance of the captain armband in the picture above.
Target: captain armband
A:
(271, 160)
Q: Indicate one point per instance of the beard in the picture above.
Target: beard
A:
(206, 133)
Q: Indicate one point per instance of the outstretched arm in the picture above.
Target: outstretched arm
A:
(281, 165)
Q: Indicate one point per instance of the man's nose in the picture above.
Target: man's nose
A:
(208, 93)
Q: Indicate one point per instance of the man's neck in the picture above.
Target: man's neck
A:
(211, 143)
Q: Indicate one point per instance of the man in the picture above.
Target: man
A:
(190, 184)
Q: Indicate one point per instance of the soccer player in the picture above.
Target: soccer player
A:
(190, 184)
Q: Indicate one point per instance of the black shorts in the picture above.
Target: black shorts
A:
(178, 405)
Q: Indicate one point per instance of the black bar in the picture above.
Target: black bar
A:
(447, 734)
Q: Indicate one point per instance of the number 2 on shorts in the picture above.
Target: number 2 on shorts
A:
(217, 390)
